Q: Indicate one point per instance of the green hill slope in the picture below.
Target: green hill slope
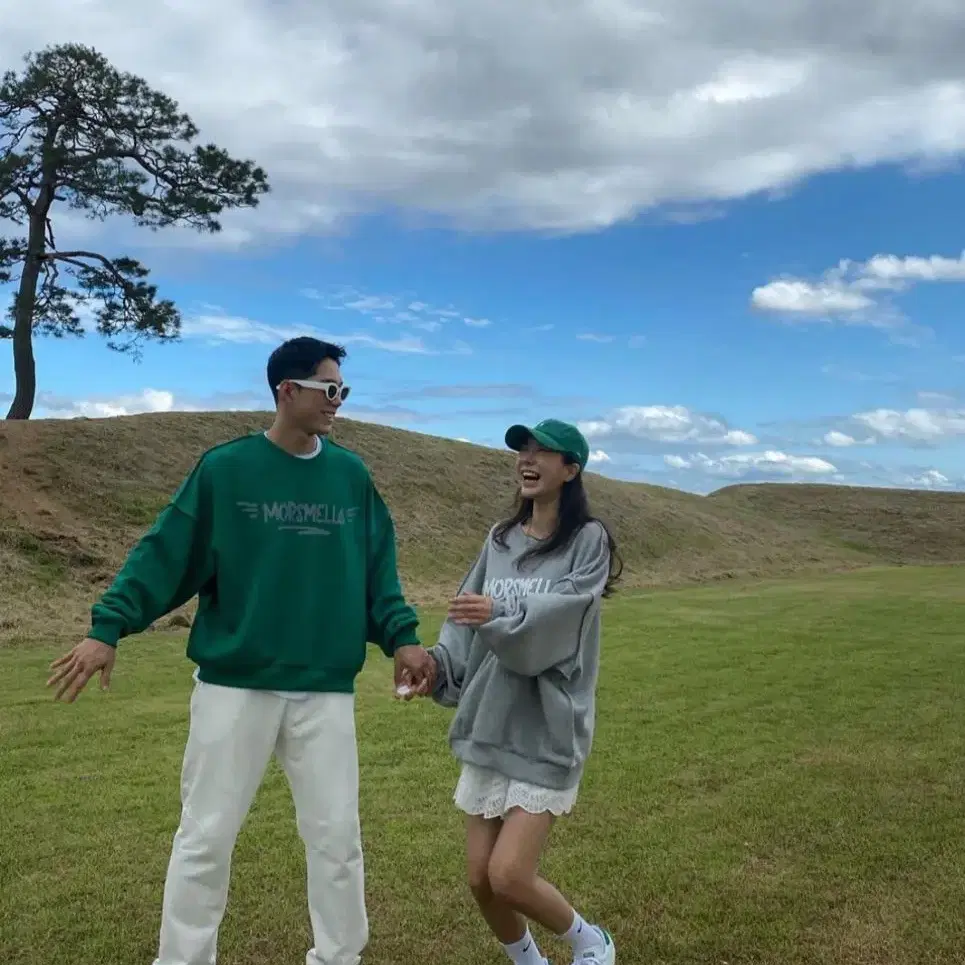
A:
(75, 495)
(893, 525)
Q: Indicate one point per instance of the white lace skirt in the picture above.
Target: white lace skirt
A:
(489, 794)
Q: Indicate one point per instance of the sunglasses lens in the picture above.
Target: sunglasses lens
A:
(345, 392)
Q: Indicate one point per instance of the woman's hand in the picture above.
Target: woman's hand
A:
(471, 610)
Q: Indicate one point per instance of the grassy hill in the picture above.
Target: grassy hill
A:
(76, 494)
(898, 526)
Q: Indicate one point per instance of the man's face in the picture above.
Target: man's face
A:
(308, 406)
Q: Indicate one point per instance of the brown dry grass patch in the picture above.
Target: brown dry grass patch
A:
(903, 526)
(76, 494)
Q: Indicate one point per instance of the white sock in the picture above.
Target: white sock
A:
(525, 951)
(583, 937)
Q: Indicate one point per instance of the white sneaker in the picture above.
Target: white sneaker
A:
(605, 956)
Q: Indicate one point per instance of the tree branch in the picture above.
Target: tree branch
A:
(131, 291)
(73, 256)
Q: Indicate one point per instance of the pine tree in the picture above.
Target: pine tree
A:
(77, 134)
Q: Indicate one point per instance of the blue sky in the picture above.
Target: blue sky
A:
(806, 327)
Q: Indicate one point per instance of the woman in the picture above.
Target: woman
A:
(518, 658)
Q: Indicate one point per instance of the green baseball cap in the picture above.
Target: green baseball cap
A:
(553, 435)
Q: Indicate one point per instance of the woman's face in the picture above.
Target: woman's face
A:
(542, 473)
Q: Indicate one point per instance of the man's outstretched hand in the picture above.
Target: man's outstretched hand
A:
(74, 669)
(415, 669)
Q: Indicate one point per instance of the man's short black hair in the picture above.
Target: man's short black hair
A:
(299, 358)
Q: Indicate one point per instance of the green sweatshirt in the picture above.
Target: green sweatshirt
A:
(293, 560)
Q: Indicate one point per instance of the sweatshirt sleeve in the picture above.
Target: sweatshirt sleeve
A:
(392, 623)
(451, 653)
(164, 570)
(531, 634)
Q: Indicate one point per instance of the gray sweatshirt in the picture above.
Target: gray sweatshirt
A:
(524, 684)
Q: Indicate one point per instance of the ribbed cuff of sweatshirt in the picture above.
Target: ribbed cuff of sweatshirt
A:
(108, 633)
(409, 637)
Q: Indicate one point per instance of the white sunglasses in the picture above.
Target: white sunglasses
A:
(332, 390)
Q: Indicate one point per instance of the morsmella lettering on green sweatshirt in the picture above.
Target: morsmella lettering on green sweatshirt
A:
(293, 560)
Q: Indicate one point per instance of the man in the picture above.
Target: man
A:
(291, 551)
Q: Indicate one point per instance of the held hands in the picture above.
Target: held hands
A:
(74, 669)
(415, 668)
(415, 672)
(471, 610)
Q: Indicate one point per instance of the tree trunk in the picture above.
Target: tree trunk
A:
(24, 364)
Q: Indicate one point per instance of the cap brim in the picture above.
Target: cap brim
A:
(518, 436)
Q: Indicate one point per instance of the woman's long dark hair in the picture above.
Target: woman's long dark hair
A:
(574, 514)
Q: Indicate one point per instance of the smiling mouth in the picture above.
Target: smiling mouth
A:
(529, 476)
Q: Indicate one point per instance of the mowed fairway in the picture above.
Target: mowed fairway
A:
(778, 777)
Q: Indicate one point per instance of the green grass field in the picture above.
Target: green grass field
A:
(778, 777)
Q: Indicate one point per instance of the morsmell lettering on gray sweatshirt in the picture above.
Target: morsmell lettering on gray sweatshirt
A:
(524, 684)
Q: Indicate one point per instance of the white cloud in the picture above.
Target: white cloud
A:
(769, 463)
(595, 337)
(913, 425)
(796, 297)
(399, 310)
(737, 437)
(855, 375)
(509, 115)
(370, 304)
(232, 328)
(783, 466)
(50, 406)
(929, 479)
(940, 398)
(598, 456)
(149, 400)
(665, 423)
(839, 439)
(637, 341)
(214, 325)
(892, 270)
(856, 293)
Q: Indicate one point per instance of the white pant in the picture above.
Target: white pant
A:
(232, 736)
